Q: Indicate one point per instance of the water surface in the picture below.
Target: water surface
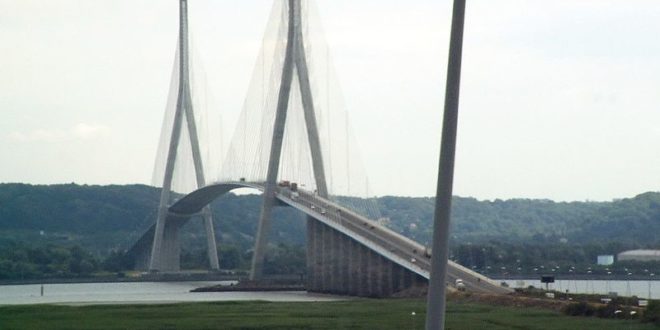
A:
(139, 293)
(641, 289)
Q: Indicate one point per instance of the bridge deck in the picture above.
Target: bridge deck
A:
(391, 245)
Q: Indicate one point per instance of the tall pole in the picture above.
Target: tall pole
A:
(263, 228)
(435, 311)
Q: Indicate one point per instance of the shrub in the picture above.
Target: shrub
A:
(579, 309)
(652, 313)
(608, 311)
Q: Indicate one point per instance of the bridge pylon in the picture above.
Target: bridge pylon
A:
(166, 248)
(295, 62)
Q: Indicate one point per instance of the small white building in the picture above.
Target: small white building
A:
(639, 255)
(605, 260)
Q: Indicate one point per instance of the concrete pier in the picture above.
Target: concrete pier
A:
(337, 264)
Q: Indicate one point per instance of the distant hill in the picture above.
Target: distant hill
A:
(635, 220)
(102, 218)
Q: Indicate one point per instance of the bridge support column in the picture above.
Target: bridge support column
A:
(395, 272)
(332, 261)
(318, 233)
(142, 257)
(353, 267)
(317, 254)
(373, 264)
(327, 259)
(363, 269)
(211, 246)
(337, 255)
(385, 277)
(338, 264)
(311, 277)
(407, 279)
(345, 263)
(170, 252)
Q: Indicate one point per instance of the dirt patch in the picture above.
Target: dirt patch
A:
(511, 300)
(248, 286)
(415, 291)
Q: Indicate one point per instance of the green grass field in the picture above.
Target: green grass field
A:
(353, 314)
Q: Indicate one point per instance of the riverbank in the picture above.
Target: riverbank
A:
(254, 286)
(580, 277)
(146, 277)
(354, 314)
(149, 277)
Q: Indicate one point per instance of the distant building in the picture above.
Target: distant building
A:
(605, 260)
(639, 255)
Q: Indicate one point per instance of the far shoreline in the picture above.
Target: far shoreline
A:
(216, 277)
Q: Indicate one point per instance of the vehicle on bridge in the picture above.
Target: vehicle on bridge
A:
(460, 286)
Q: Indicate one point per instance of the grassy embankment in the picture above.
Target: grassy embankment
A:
(353, 314)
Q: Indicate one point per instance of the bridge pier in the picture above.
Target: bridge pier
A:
(326, 261)
(338, 264)
(353, 268)
(396, 274)
(311, 257)
(385, 277)
(170, 255)
(345, 260)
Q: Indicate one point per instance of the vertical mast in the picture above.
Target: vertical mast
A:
(194, 137)
(263, 228)
(155, 263)
(183, 108)
(308, 109)
(294, 57)
(435, 311)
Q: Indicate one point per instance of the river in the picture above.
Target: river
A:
(138, 293)
(172, 292)
(639, 288)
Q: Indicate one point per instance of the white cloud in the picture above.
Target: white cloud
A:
(89, 131)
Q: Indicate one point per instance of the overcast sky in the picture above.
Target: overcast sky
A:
(560, 99)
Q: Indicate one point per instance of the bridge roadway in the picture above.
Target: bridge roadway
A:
(391, 245)
(388, 243)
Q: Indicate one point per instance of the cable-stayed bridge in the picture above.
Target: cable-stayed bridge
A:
(293, 126)
(347, 253)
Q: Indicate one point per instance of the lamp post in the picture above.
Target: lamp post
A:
(650, 278)
(435, 312)
(607, 279)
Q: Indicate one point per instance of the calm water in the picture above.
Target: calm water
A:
(169, 292)
(138, 292)
(622, 288)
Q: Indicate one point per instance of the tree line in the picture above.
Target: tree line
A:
(20, 261)
(103, 221)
